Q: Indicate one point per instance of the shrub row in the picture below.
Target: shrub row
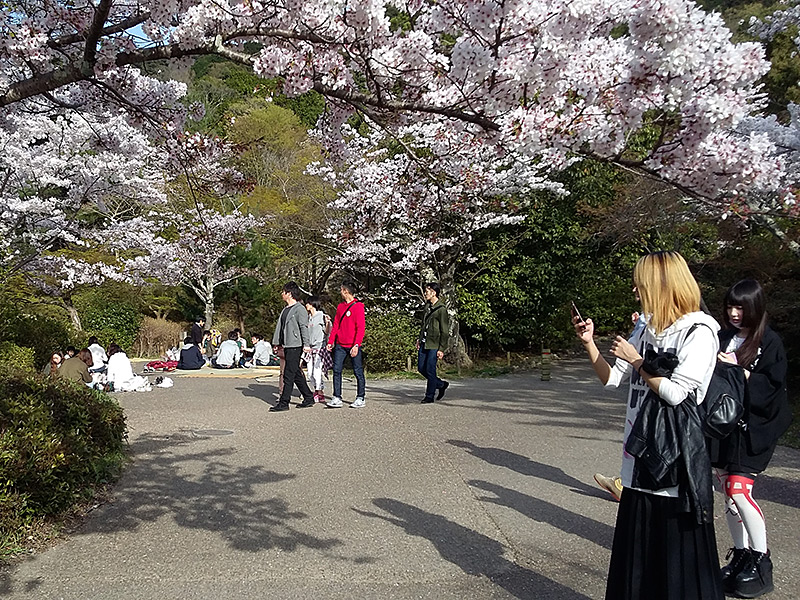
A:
(389, 339)
(58, 440)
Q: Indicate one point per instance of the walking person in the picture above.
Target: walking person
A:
(316, 368)
(747, 340)
(345, 339)
(664, 542)
(291, 334)
(434, 335)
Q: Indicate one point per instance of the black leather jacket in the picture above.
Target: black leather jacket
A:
(670, 449)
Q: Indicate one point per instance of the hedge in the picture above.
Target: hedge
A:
(58, 440)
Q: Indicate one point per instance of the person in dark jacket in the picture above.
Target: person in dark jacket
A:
(434, 335)
(197, 331)
(664, 541)
(191, 358)
(747, 340)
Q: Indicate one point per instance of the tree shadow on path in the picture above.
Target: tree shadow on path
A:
(472, 552)
(200, 489)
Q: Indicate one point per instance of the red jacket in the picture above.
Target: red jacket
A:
(348, 324)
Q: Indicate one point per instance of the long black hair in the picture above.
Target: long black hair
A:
(748, 294)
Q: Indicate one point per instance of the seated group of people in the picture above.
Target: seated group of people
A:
(110, 370)
(231, 353)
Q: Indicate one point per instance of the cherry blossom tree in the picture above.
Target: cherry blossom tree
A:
(543, 79)
(62, 172)
(177, 248)
(480, 97)
(785, 16)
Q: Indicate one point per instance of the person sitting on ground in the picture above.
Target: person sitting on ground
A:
(52, 366)
(228, 355)
(191, 358)
(70, 352)
(99, 356)
(119, 369)
(120, 377)
(246, 352)
(77, 368)
(262, 352)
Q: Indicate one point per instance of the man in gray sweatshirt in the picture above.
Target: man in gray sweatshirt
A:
(292, 334)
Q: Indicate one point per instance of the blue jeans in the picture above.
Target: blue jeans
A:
(339, 354)
(426, 365)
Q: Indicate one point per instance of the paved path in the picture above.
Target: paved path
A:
(488, 494)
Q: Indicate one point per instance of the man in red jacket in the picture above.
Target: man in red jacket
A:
(345, 338)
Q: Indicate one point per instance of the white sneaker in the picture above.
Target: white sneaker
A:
(358, 403)
(334, 402)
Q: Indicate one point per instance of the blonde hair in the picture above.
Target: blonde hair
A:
(667, 288)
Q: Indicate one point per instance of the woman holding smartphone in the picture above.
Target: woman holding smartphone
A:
(664, 545)
(747, 340)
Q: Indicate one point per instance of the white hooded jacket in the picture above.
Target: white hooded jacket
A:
(697, 355)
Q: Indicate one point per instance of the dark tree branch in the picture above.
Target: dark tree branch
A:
(95, 31)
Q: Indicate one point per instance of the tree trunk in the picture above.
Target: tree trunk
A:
(239, 312)
(75, 318)
(457, 353)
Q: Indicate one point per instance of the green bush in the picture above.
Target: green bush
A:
(388, 341)
(42, 327)
(15, 358)
(44, 335)
(109, 317)
(57, 441)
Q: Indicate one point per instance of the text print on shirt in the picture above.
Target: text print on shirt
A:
(638, 384)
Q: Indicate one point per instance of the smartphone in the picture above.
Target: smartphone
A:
(576, 312)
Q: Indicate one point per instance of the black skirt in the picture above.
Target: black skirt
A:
(660, 553)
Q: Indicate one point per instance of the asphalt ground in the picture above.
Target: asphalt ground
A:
(486, 494)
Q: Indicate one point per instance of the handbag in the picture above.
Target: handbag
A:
(724, 405)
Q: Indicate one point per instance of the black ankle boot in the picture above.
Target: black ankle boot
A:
(756, 578)
(741, 558)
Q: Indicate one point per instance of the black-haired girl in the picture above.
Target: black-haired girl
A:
(747, 340)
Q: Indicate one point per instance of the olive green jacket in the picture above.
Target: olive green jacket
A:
(435, 327)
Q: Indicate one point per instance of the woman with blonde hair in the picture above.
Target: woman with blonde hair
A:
(664, 543)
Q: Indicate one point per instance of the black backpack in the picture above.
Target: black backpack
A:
(724, 405)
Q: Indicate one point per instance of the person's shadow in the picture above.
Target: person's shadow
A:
(474, 553)
(525, 466)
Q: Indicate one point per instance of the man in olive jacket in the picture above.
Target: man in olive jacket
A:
(292, 335)
(434, 336)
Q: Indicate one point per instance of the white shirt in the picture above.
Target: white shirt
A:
(697, 355)
(99, 357)
(119, 369)
(262, 352)
(228, 353)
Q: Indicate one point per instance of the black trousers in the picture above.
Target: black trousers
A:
(293, 375)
